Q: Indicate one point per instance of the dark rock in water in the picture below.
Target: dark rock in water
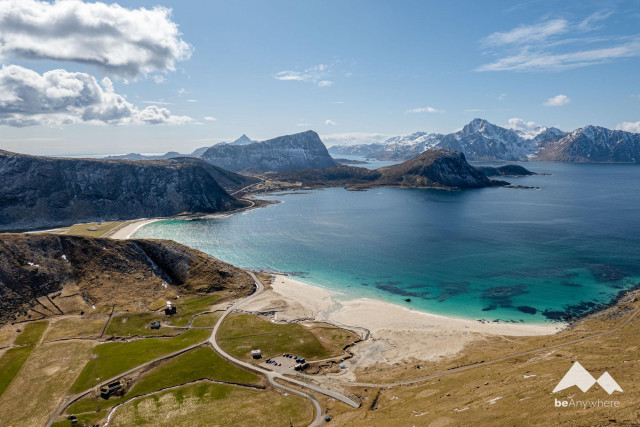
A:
(392, 287)
(44, 192)
(522, 187)
(501, 295)
(507, 170)
(527, 309)
(571, 285)
(490, 308)
(286, 153)
(452, 289)
(408, 299)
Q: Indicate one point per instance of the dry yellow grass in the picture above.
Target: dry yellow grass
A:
(43, 382)
(515, 391)
(207, 404)
(93, 229)
(75, 327)
(6, 337)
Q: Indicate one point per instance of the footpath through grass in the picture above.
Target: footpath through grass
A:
(199, 363)
(241, 333)
(115, 358)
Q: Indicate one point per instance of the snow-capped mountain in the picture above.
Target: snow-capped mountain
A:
(593, 144)
(479, 140)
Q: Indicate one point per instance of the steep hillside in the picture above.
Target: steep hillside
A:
(593, 144)
(286, 153)
(436, 169)
(103, 272)
(39, 192)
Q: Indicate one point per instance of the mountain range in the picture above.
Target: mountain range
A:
(481, 140)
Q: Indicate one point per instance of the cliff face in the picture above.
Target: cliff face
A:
(102, 272)
(286, 153)
(39, 192)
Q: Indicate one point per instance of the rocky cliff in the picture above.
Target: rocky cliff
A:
(83, 272)
(41, 192)
(286, 153)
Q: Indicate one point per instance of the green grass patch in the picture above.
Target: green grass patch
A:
(189, 307)
(199, 363)
(115, 358)
(31, 333)
(93, 229)
(86, 419)
(10, 364)
(131, 324)
(207, 320)
(241, 333)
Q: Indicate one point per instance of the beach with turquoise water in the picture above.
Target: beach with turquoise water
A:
(532, 257)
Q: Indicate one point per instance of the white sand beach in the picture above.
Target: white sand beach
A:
(397, 333)
(129, 228)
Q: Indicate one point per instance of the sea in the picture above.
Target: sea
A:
(551, 254)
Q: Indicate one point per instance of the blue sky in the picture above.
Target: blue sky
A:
(353, 71)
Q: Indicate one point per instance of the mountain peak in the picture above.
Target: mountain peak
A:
(243, 140)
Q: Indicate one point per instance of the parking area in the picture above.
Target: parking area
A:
(285, 363)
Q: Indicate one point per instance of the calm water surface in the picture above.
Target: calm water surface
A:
(495, 253)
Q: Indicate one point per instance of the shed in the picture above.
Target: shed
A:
(256, 354)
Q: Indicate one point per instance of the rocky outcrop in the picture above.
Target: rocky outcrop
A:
(286, 153)
(506, 170)
(441, 168)
(42, 192)
(103, 272)
(445, 169)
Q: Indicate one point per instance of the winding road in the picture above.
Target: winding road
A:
(273, 376)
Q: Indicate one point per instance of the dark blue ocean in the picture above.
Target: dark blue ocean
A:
(496, 253)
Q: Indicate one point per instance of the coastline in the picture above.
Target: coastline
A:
(396, 334)
(129, 228)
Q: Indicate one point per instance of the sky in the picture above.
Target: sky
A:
(85, 78)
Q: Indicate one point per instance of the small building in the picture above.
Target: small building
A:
(110, 389)
(155, 324)
(170, 309)
(256, 354)
(343, 366)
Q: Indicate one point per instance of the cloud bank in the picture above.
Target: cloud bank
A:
(124, 42)
(61, 97)
(557, 101)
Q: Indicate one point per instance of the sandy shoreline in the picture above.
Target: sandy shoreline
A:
(130, 228)
(397, 333)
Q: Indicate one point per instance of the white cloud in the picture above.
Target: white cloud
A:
(192, 100)
(210, 118)
(159, 79)
(526, 34)
(60, 97)
(125, 42)
(557, 45)
(502, 96)
(155, 102)
(521, 125)
(629, 127)
(557, 101)
(353, 138)
(590, 23)
(473, 110)
(423, 110)
(316, 75)
(329, 123)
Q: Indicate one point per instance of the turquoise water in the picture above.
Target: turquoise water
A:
(495, 253)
